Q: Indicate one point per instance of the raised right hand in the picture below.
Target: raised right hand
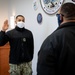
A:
(5, 25)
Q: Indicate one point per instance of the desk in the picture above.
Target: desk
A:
(4, 59)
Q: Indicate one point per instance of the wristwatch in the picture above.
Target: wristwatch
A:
(51, 6)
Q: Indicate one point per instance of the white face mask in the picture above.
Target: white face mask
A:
(20, 24)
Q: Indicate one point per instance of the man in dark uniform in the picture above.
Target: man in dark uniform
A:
(21, 47)
(57, 53)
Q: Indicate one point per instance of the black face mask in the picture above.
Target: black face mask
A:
(59, 20)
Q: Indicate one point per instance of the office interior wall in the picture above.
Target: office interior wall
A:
(49, 23)
(3, 11)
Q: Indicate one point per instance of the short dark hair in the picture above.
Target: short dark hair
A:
(20, 16)
(68, 10)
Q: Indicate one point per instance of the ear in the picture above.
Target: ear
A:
(15, 22)
(61, 17)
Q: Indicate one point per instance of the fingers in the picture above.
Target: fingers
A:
(5, 25)
(6, 22)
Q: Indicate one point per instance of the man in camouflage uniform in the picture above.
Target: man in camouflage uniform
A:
(21, 46)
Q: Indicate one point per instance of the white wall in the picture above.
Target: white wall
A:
(40, 31)
(3, 11)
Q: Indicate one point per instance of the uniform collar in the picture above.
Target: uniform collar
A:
(68, 24)
(19, 29)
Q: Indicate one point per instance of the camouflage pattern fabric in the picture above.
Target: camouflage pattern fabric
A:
(21, 69)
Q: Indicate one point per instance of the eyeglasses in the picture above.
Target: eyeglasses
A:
(57, 15)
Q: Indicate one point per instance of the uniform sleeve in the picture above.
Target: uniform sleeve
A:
(32, 46)
(46, 59)
(3, 38)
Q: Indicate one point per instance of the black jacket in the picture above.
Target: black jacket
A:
(21, 44)
(57, 53)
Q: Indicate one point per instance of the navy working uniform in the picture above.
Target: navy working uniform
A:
(21, 45)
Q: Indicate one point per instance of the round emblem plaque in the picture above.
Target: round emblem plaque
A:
(51, 6)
